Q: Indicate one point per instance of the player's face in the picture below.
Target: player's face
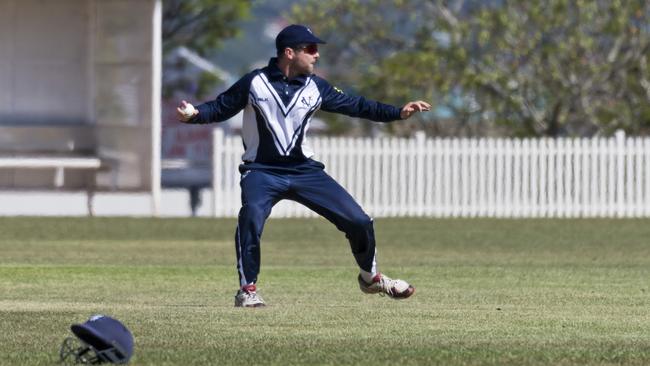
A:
(305, 58)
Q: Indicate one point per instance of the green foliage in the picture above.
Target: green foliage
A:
(524, 68)
(206, 84)
(201, 25)
(489, 292)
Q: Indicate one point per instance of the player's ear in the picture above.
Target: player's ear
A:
(285, 53)
(289, 53)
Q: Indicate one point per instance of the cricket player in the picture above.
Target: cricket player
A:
(279, 101)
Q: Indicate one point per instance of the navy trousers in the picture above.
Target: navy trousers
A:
(263, 188)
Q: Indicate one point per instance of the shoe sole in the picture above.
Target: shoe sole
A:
(404, 295)
(369, 292)
(241, 305)
(250, 306)
(240, 302)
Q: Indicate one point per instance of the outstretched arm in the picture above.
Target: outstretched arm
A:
(334, 100)
(226, 105)
(411, 108)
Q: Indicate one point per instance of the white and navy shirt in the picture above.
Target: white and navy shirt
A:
(277, 112)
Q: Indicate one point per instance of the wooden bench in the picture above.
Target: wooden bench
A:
(59, 164)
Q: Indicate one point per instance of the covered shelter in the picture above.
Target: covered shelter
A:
(80, 96)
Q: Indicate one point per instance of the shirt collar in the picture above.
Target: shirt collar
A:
(274, 72)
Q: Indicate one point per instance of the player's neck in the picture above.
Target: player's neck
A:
(285, 66)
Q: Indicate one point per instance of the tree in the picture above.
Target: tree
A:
(522, 68)
(201, 26)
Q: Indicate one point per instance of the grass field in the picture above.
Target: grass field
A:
(489, 292)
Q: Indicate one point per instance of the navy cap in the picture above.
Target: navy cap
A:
(295, 35)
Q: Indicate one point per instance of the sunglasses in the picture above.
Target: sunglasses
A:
(311, 49)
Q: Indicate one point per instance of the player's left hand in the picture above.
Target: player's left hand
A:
(411, 108)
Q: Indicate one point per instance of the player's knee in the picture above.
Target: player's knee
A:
(253, 212)
(360, 224)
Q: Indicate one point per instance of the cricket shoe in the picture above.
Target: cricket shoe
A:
(383, 285)
(247, 297)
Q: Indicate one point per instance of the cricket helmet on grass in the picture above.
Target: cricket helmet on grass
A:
(101, 339)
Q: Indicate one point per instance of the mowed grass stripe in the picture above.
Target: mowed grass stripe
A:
(489, 292)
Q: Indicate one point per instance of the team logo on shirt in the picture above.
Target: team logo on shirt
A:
(338, 90)
(306, 102)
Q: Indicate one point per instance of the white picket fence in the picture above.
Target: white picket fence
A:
(486, 177)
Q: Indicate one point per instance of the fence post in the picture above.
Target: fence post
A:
(474, 184)
(638, 170)
(438, 164)
(620, 173)
(483, 158)
(455, 172)
(420, 154)
(492, 179)
(526, 183)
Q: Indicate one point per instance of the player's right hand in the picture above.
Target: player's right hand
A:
(186, 111)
